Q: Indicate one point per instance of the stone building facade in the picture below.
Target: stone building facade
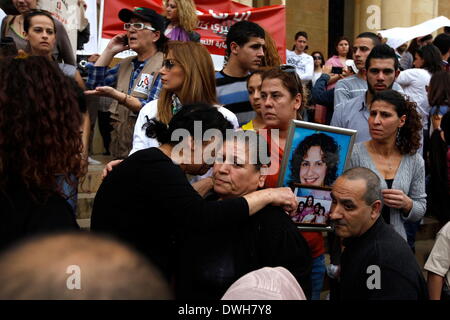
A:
(326, 20)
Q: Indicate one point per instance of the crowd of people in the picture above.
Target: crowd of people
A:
(182, 216)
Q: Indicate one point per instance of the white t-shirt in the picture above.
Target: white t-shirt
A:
(2, 14)
(304, 64)
(439, 260)
(413, 82)
(316, 76)
(150, 110)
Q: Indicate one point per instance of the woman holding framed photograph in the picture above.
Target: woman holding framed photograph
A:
(395, 128)
(282, 101)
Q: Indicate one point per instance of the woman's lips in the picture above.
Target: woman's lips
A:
(310, 180)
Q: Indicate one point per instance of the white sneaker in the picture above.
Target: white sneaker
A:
(93, 161)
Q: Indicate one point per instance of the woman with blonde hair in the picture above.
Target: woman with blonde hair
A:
(181, 20)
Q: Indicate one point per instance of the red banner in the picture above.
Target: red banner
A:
(215, 16)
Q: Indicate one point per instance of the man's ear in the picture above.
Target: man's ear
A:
(397, 73)
(376, 209)
(234, 48)
(157, 35)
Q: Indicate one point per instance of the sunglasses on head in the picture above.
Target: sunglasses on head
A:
(292, 69)
(137, 26)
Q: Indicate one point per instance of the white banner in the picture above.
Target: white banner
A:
(67, 12)
(91, 47)
(2, 14)
(398, 36)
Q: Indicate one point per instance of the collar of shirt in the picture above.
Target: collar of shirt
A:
(364, 106)
(354, 241)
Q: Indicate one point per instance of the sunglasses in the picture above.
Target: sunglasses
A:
(137, 26)
(169, 63)
(292, 69)
(317, 57)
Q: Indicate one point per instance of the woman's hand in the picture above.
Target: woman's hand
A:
(285, 198)
(397, 199)
(281, 197)
(104, 92)
(109, 167)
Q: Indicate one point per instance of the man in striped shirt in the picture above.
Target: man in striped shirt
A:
(245, 53)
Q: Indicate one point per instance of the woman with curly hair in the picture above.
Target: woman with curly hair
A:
(40, 143)
(315, 161)
(181, 20)
(395, 128)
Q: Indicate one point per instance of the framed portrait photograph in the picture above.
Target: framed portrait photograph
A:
(315, 154)
(313, 211)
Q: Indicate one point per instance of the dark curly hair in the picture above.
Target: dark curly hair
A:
(408, 140)
(330, 151)
(39, 127)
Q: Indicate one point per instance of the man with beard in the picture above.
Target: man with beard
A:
(356, 85)
(382, 69)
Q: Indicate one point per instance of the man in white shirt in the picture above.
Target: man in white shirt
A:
(302, 61)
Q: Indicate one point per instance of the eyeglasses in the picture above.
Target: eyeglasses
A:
(292, 69)
(317, 57)
(169, 63)
(137, 26)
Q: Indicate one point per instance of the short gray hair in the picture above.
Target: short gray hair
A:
(373, 183)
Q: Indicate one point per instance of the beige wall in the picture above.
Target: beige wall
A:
(398, 13)
(309, 16)
(444, 9)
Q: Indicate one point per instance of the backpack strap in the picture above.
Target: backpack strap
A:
(6, 22)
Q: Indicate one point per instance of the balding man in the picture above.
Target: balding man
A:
(377, 263)
(76, 266)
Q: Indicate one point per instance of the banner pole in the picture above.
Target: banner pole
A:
(100, 24)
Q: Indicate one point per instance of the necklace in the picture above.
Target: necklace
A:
(388, 161)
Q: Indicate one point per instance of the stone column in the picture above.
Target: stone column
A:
(423, 10)
(367, 16)
(309, 16)
(396, 13)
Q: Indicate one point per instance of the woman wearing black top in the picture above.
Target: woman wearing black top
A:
(40, 146)
(147, 198)
(211, 260)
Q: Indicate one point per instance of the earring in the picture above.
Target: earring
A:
(398, 136)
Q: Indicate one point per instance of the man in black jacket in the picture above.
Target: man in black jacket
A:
(377, 264)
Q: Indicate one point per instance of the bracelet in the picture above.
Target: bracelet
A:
(125, 99)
